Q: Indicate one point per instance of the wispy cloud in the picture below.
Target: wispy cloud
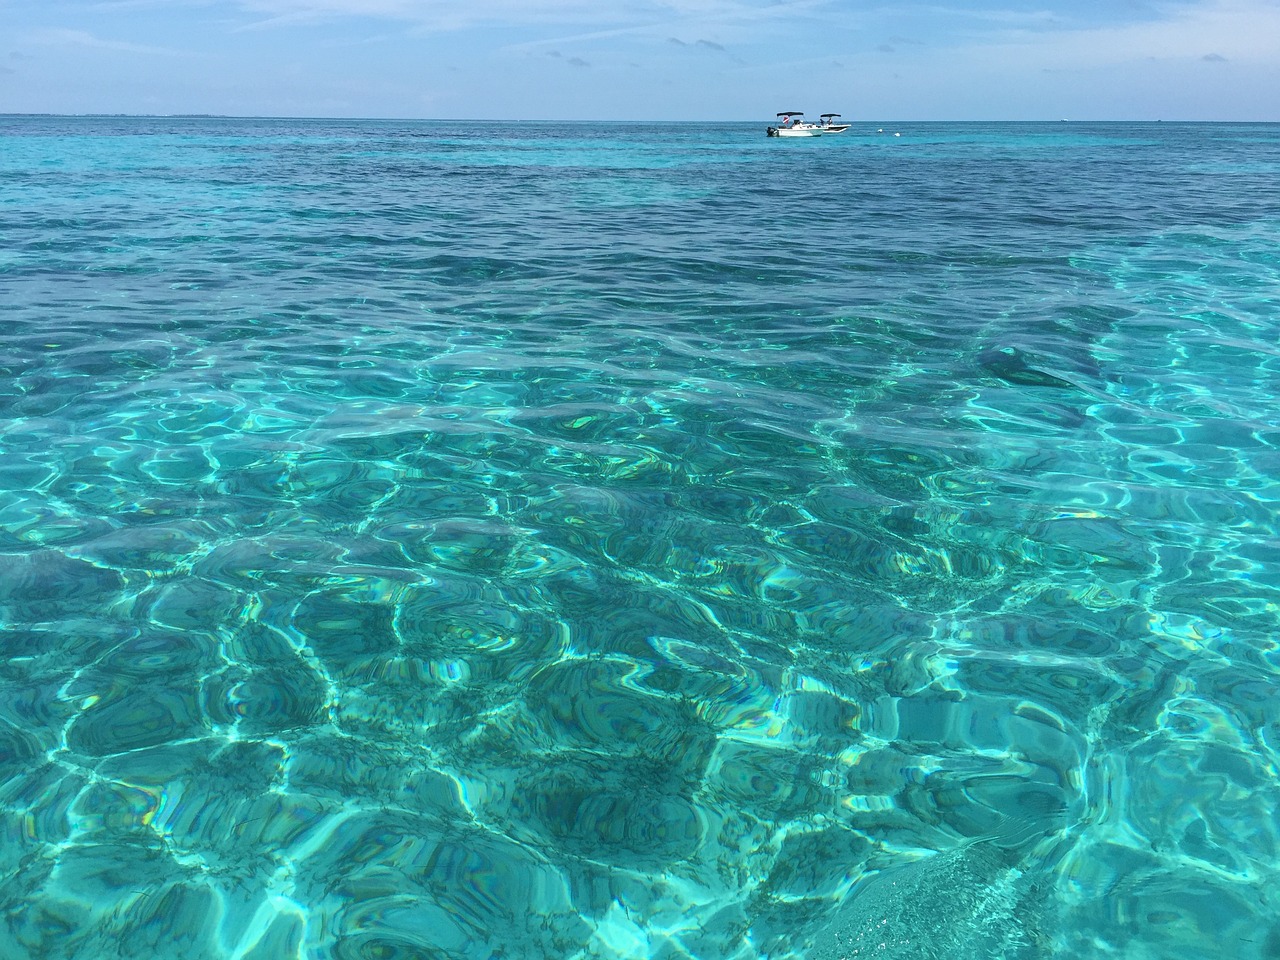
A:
(639, 16)
(1234, 29)
(572, 61)
(61, 37)
(442, 14)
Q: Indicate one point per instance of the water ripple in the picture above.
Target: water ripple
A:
(637, 540)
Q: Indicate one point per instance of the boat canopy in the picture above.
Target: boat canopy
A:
(830, 114)
(791, 113)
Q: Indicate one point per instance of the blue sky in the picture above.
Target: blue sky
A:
(645, 59)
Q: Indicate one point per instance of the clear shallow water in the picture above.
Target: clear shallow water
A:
(625, 541)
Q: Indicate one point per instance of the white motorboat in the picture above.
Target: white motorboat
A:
(791, 123)
(830, 123)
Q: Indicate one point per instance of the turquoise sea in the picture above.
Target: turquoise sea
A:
(475, 540)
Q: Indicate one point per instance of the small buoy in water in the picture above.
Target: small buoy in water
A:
(881, 130)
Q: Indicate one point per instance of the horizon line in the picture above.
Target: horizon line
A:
(394, 119)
